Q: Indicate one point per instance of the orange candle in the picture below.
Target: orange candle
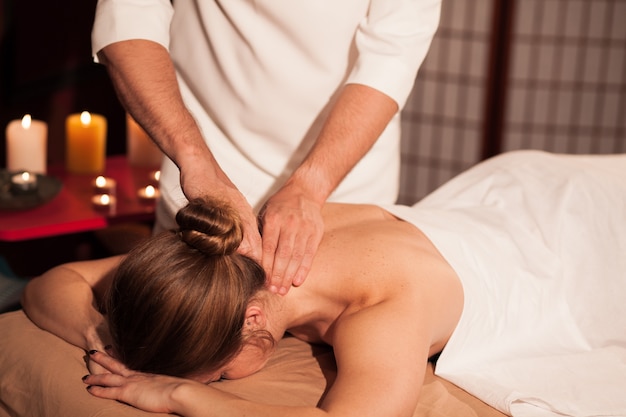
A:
(85, 143)
(141, 150)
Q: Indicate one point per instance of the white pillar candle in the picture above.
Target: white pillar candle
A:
(27, 144)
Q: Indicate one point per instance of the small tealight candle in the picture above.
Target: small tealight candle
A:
(24, 182)
(104, 185)
(148, 193)
(153, 178)
(103, 202)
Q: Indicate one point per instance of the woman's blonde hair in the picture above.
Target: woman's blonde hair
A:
(177, 302)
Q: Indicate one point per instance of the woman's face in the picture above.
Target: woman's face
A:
(249, 361)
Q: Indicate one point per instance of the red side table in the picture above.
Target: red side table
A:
(71, 210)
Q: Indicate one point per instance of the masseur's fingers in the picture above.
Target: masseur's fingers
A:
(251, 243)
(292, 231)
(200, 183)
(293, 255)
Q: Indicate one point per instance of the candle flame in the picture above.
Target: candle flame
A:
(26, 121)
(157, 175)
(26, 176)
(149, 191)
(85, 118)
(101, 181)
(105, 200)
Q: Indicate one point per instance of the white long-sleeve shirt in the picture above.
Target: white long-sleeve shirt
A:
(259, 77)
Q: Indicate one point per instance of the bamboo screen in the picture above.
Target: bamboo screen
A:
(504, 75)
(442, 121)
(567, 88)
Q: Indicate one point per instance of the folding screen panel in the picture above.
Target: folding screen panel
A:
(504, 75)
(443, 119)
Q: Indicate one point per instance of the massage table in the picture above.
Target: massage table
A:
(40, 376)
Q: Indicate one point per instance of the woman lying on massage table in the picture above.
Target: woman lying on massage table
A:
(184, 309)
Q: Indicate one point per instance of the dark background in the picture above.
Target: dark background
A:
(47, 71)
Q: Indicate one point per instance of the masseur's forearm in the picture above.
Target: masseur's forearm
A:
(62, 302)
(145, 80)
(357, 119)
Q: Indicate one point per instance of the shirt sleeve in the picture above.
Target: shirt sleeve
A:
(392, 42)
(119, 20)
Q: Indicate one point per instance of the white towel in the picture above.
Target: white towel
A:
(539, 242)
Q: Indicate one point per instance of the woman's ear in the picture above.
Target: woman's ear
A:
(255, 317)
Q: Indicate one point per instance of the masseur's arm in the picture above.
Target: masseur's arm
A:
(291, 218)
(144, 78)
(64, 301)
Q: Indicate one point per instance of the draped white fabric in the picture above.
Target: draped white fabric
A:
(539, 242)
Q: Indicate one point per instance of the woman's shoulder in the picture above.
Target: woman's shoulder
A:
(338, 215)
(365, 242)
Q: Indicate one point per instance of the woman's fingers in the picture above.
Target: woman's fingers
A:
(108, 362)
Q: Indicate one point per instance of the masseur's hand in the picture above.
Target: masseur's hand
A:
(199, 183)
(292, 227)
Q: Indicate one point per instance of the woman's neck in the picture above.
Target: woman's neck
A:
(303, 311)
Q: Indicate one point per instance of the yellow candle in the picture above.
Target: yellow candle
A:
(85, 143)
(141, 150)
(27, 142)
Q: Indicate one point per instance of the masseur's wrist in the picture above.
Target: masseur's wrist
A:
(311, 183)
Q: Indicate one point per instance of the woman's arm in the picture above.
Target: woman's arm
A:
(64, 301)
(183, 397)
(381, 354)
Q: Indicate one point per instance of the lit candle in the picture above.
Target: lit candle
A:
(24, 182)
(85, 143)
(104, 202)
(154, 178)
(140, 149)
(148, 193)
(104, 185)
(27, 142)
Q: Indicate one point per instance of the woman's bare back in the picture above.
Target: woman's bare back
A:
(368, 257)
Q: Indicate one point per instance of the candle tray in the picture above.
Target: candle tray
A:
(47, 188)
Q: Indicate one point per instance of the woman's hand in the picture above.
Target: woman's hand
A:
(148, 392)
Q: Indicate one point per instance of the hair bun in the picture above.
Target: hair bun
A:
(210, 227)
